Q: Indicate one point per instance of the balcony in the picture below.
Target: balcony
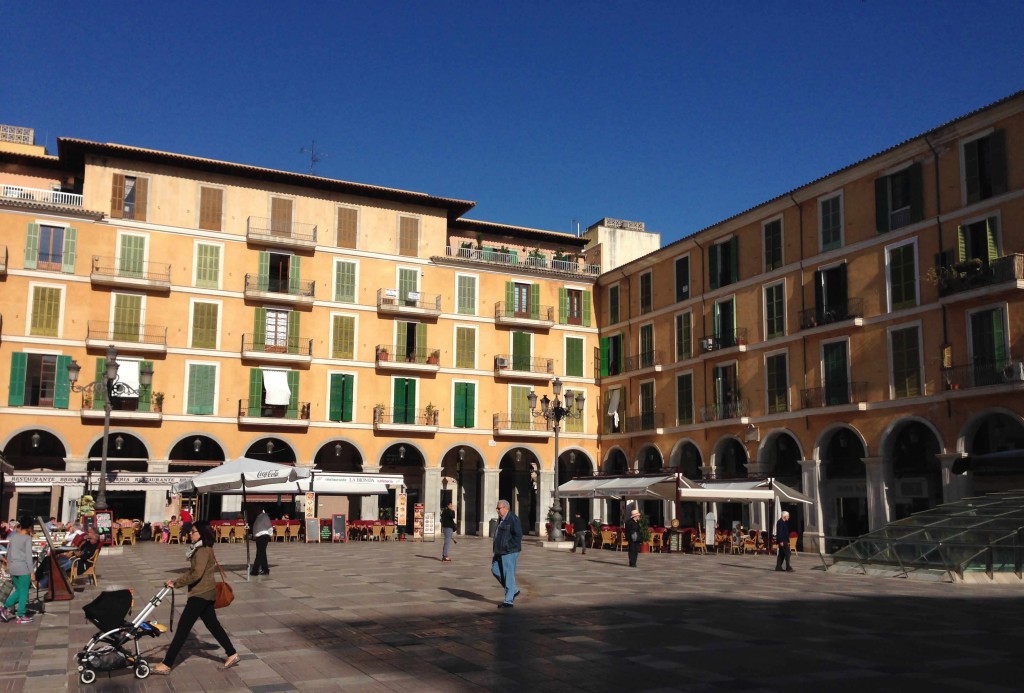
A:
(724, 340)
(729, 410)
(49, 198)
(1006, 272)
(984, 374)
(543, 317)
(148, 276)
(414, 303)
(646, 359)
(838, 395)
(3, 261)
(406, 420)
(291, 235)
(265, 348)
(524, 367)
(142, 339)
(275, 416)
(467, 254)
(124, 410)
(651, 421)
(850, 309)
(392, 357)
(520, 427)
(297, 293)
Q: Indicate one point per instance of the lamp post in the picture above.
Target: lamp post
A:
(554, 411)
(113, 388)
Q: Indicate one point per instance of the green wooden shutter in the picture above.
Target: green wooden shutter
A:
(127, 315)
(347, 397)
(32, 247)
(605, 343)
(402, 339)
(421, 342)
(460, 405)
(972, 171)
(133, 250)
(510, 298)
(998, 339)
(734, 260)
(535, 302)
(470, 405)
(70, 247)
(293, 332)
(200, 389)
(19, 371)
(563, 306)
(345, 282)
(574, 357)
(294, 275)
(997, 161)
(263, 271)
(991, 241)
(520, 351)
(341, 397)
(961, 243)
(882, 204)
(916, 193)
(259, 330)
(405, 400)
(100, 393)
(293, 400)
(406, 284)
(255, 392)
(586, 308)
(145, 391)
(713, 273)
(62, 386)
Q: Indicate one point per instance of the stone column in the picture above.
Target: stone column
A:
(814, 535)
(370, 505)
(879, 478)
(432, 496)
(954, 486)
(489, 493)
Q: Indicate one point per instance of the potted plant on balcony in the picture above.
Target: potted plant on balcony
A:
(434, 357)
(432, 414)
(382, 353)
(378, 413)
(158, 401)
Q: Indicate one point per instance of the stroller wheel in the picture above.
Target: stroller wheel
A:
(142, 669)
(87, 676)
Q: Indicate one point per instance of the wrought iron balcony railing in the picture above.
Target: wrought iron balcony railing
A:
(114, 269)
(258, 228)
(833, 312)
(407, 416)
(155, 335)
(524, 423)
(834, 395)
(645, 422)
(1006, 371)
(530, 260)
(646, 359)
(724, 339)
(257, 409)
(400, 352)
(503, 311)
(389, 299)
(969, 275)
(726, 410)
(524, 364)
(269, 344)
(275, 285)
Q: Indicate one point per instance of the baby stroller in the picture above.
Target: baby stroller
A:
(107, 650)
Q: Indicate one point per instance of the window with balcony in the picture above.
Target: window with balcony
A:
(408, 286)
(348, 227)
(281, 216)
(901, 263)
(522, 418)
(345, 281)
(574, 357)
(984, 167)
(411, 341)
(522, 347)
(647, 405)
(724, 319)
(128, 373)
(207, 266)
(276, 330)
(611, 354)
(205, 321)
(574, 307)
(899, 199)
(127, 317)
(131, 257)
(408, 236)
(683, 278)
(465, 347)
(830, 222)
(615, 410)
(989, 348)
(343, 337)
(45, 311)
(211, 208)
(777, 383)
(573, 424)
(772, 232)
(774, 310)
(465, 294)
(978, 240)
(905, 355)
(831, 302)
(726, 393)
(341, 396)
(613, 304)
(201, 397)
(684, 336)
(129, 197)
(836, 372)
(50, 248)
(39, 380)
(464, 413)
(646, 292)
(273, 393)
(724, 262)
(684, 399)
(647, 345)
(524, 300)
(279, 272)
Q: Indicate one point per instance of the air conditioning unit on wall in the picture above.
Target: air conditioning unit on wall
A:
(1014, 373)
(500, 362)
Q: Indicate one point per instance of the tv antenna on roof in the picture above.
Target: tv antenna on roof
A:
(314, 156)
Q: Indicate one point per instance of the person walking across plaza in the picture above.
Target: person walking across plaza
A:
(447, 529)
(782, 539)
(262, 533)
(633, 536)
(19, 565)
(507, 543)
(579, 534)
(202, 591)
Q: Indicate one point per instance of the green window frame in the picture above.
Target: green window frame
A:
(342, 393)
(343, 337)
(204, 325)
(465, 347)
(724, 263)
(985, 167)
(573, 424)
(202, 389)
(131, 262)
(521, 356)
(904, 346)
(902, 276)
(574, 357)
(45, 320)
(465, 295)
(41, 251)
(774, 311)
(127, 317)
(522, 418)
(684, 336)
(344, 281)
(684, 399)
(830, 217)
(613, 304)
(646, 292)
(207, 266)
(465, 405)
(647, 345)
(772, 245)
(404, 400)
(777, 377)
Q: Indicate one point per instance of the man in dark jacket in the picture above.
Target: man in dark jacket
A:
(579, 530)
(782, 539)
(507, 543)
(634, 536)
(262, 533)
(447, 529)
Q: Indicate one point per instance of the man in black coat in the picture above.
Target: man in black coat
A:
(782, 539)
(634, 536)
(579, 529)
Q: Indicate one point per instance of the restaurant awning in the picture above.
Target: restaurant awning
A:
(329, 483)
(661, 487)
(739, 491)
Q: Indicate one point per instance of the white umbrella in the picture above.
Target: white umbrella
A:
(241, 473)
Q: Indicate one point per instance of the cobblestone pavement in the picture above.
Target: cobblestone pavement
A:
(391, 617)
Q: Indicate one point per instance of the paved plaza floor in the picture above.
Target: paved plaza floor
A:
(390, 616)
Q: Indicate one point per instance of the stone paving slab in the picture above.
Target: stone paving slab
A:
(390, 616)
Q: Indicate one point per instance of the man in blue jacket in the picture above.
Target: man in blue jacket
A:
(782, 539)
(507, 543)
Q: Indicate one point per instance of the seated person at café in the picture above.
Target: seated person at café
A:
(85, 554)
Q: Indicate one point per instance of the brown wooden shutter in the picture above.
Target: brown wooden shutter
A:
(347, 217)
(280, 216)
(409, 236)
(141, 198)
(211, 201)
(117, 197)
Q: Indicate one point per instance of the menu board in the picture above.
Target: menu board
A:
(417, 522)
(338, 532)
(312, 530)
(400, 508)
(310, 504)
(428, 527)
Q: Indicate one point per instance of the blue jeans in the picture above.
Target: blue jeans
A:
(447, 531)
(503, 568)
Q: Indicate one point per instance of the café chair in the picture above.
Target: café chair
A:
(389, 532)
(127, 535)
(280, 532)
(608, 538)
(657, 544)
(174, 534)
(698, 545)
(89, 572)
(291, 533)
(792, 542)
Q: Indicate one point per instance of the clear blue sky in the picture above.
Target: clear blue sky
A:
(678, 114)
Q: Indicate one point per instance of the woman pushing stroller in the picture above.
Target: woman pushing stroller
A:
(201, 582)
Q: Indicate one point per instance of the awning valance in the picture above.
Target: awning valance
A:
(645, 487)
(740, 491)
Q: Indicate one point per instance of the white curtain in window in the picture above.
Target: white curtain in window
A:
(128, 373)
(276, 385)
(613, 407)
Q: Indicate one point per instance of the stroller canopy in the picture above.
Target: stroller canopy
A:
(109, 610)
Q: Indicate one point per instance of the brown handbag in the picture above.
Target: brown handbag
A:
(225, 595)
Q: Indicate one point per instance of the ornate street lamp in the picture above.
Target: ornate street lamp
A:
(554, 411)
(114, 388)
